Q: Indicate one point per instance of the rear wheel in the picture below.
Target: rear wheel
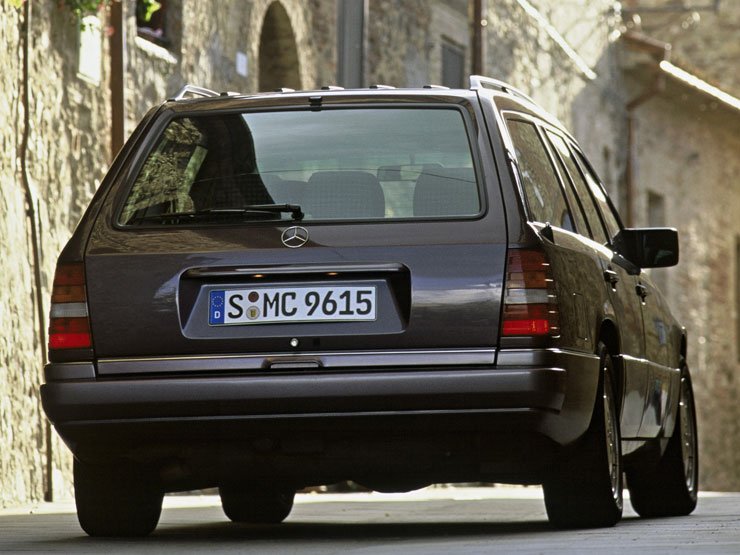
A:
(255, 504)
(671, 487)
(116, 500)
(585, 487)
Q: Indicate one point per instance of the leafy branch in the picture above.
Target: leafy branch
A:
(80, 8)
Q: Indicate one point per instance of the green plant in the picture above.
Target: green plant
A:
(145, 9)
(81, 8)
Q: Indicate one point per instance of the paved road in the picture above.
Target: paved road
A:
(436, 520)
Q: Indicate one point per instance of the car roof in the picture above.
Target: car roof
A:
(192, 98)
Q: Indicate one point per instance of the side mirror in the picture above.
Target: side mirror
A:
(649, 247)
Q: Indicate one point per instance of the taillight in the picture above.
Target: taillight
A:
(69, 325)
(530, 302)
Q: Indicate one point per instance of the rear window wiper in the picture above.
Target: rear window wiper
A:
(294, 209)
(179, 217)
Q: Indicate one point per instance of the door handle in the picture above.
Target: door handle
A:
(611, 277)
(641, 291)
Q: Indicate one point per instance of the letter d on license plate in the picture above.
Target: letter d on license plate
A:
(269, 305)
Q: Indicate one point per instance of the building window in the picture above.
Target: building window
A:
(151, 21)
(453, 66)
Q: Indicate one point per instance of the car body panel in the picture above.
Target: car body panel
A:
(305, 417)
(649, 341)
(147, 320)
(436, 256)
(428, 391)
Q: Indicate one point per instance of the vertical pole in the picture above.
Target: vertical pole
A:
(117, 52)
(476, 17)
(351, 43)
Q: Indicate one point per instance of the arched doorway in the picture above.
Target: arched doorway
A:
(278, 56)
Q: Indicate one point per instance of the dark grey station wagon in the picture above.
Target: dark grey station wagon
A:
(393, 286)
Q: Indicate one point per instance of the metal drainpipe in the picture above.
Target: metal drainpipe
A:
(661, 52)
(476, 16)
(37, 253)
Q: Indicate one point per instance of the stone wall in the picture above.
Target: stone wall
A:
(397, 39)
(207, 39)
(687, 149)
(323, 41)
(405, 37)
(685, 144)
(20, 452)
(66, 157)
(403, 46)
(582, 88)
(705, 39)
(152, 72)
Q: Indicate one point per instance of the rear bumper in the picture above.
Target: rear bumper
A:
(550, 392)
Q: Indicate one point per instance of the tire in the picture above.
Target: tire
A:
(671, 488)
(256, 505)
(584, 489)
(116, 500)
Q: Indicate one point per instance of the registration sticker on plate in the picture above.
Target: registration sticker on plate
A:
(269, 305)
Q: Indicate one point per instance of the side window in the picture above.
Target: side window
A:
(561, 150)
(582, 190)
(540, 182)
(610, 219)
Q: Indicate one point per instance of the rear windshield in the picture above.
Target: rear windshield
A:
(340, 164)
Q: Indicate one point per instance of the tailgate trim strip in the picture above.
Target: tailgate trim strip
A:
(330, 360)
(341, 267)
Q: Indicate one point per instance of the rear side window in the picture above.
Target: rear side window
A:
(581, 187)
(542, 190)
(334, 164)
(562, 154)
(610, 220)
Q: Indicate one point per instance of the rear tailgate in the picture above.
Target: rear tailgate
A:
(407, 268)
(437, 287)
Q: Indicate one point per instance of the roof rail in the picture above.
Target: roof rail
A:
(379, 86)
(481, 82)
(434, 87)
(195, 90)
(331, 88)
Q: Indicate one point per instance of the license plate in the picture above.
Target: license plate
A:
(269, 305)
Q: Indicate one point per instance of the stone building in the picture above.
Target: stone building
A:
(69, 95)
(53, 154)
(685, 145)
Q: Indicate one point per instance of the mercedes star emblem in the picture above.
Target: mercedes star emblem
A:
(294, 237)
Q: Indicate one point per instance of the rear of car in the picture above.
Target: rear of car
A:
(294, 289)
(321, 258)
